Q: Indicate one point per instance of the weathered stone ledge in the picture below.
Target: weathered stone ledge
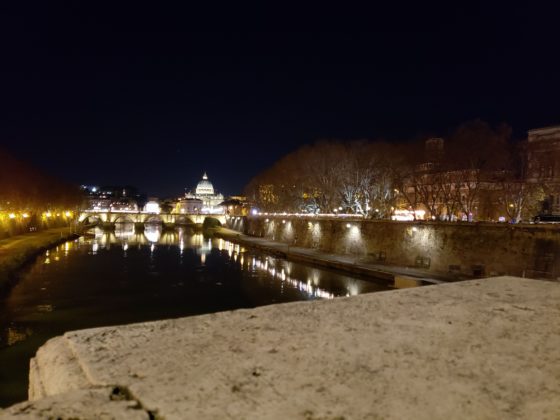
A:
(480, 349)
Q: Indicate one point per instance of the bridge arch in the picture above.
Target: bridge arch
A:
(153, 219)
(123, 219)
(91, 219)
(183, 220)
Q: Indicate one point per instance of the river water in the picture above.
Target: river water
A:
(122, 277)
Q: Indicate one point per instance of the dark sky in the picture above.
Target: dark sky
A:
(152, 96)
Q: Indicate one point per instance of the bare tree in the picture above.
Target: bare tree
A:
(475, 153)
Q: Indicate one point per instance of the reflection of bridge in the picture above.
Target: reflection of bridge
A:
(108, 217)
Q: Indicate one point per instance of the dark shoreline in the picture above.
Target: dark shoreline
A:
(14, 256)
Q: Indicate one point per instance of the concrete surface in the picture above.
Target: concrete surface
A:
(480, 349)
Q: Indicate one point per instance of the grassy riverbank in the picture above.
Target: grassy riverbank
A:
(16, 251)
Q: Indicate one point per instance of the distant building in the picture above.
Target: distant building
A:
(152, 206)
(204, 196)
(449, 194)
(124, 205)
(112, 198)
(236, 206)
(98, 204)
(543, 161)
(189, 206)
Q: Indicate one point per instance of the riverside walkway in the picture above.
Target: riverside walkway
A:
(349, 263)
(484, 349)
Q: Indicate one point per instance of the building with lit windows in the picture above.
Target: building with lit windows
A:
(543, 161)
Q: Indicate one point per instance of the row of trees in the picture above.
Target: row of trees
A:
(357, 176)
(477, 172)
(25, 188)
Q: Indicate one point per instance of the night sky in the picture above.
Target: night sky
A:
(154, 96)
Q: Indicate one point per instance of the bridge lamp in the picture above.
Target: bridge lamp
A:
(12, 216)
(25, 215)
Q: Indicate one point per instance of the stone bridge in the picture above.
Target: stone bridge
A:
(108, 217)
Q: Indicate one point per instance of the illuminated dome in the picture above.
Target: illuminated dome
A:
(204, 187)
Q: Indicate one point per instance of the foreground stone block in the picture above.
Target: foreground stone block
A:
(97, 403)
(479, 349)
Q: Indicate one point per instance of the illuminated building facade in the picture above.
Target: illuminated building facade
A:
(204, 194)
(112, 198)
(543, 161)
(435, 191)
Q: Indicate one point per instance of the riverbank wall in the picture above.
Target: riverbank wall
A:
(456, 249)
(17, 251)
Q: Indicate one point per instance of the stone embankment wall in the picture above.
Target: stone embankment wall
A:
(464, 249)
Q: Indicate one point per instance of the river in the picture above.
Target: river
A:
(122, 277)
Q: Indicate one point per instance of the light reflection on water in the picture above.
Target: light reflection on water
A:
(108, 278)
(279, 269)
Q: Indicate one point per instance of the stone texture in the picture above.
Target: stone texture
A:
(480, 349)
(498, 248)
(95, 404)
(64, 372)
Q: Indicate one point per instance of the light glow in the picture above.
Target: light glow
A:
(408, 215)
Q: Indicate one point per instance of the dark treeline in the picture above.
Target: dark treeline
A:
(31, 199)
(478, 172)
(24, 187)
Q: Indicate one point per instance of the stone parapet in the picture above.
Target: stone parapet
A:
(477, 349)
